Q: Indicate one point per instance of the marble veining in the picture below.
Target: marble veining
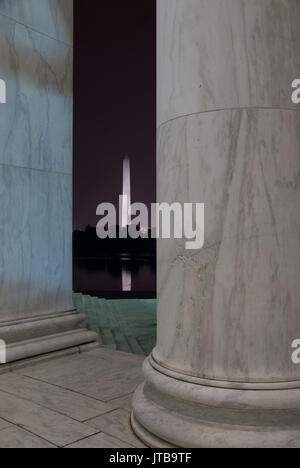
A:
(37, 314)
(51, 17)
(247, 172)
(36, 122)
(35, 159)
(222, 374)
(223, 298)
(220, 54)
(35, 235)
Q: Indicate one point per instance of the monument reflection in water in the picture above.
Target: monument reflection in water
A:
(126, 218)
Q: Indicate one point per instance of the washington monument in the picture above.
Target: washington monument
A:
(126, 217)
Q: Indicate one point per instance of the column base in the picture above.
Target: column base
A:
(145, 436)
(40, 336)
(171, 410)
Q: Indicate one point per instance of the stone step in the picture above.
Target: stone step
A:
(115, 331)
(100, 312)
(111, 316)
(147, 343)
(135, 346)
(88, 310)
(77, 300)
(121, 341)
(108, 340)
(97, 320)
(95, 328)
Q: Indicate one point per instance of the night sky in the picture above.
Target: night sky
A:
(114, 103)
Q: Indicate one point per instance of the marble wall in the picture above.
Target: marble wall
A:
(36, 57)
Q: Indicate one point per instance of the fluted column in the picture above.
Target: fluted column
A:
(221, 374)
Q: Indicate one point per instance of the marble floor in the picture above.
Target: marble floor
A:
(78, 401)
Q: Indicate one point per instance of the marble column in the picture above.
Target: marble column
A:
(37, 315)
(221, 374)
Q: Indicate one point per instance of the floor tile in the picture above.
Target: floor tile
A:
(4, 424)
(111, 384)
(15, 437)
(55, 428)
(98, 359)
(117, 424)
(49, 396)
(100, 441)
(101, 375)
(122, 402)
(45, 404)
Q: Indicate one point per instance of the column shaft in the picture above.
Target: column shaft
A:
(221, 373)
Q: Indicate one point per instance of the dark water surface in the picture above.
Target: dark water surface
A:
(103, 276)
